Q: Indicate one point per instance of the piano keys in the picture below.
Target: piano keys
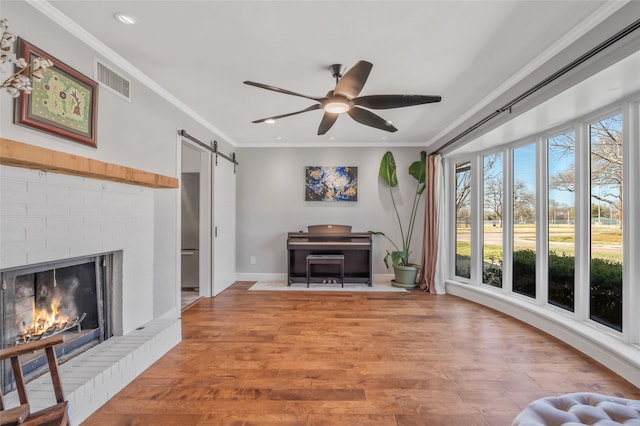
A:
(356, 247)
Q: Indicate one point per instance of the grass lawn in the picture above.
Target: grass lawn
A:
(601, 236)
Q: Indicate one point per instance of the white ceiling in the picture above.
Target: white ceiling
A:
(468, 52)
(602, 89)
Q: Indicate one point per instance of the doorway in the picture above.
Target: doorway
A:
(195, 213)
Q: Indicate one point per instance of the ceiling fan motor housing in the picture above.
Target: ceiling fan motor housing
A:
(337, 70)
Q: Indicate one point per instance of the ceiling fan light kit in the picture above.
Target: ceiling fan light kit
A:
(344, 98)
(336, 105)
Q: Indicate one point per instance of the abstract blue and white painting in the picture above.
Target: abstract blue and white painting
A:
(331, 183)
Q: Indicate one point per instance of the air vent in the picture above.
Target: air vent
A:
(112, 81)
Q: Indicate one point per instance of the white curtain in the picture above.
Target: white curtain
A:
(443, 242)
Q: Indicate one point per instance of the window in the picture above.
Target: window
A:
(524, 220)
(578, 238)
(605, 295)
(492, 228)
(463, 220)
(561, 220)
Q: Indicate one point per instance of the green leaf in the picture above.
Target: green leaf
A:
(396, 257)
(376, 233)
(388, 170)
(418, 169)
(386, 259)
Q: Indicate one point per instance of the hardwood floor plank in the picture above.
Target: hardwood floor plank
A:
(352, 419)
(295, 358)
(250, 419)
(149, 419)
(322, 394)
(442, 420)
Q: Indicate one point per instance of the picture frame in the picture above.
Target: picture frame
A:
(64, 103)
(333, 184)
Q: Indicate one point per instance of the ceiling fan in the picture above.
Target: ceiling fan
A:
(344, 98)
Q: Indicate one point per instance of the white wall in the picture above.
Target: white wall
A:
(139, 134)
(270, 203)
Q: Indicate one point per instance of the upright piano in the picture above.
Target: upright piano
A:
(356, 248)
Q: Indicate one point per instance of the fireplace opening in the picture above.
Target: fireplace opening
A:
(72, 296)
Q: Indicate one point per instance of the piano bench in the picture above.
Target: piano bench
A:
(325, 259)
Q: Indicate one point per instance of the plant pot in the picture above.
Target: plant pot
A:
(405, 276)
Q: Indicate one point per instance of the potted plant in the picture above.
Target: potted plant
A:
(405, 271)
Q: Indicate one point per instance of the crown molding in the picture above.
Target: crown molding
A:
(84, 36)
(334, 144)
(596, 18)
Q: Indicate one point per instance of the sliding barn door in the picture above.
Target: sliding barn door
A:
(224, 225)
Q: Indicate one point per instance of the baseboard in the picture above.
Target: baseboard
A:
(243, 276)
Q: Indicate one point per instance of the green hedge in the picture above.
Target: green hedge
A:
(606, 283)
(524, 272)
(606, 292)
(561, 280)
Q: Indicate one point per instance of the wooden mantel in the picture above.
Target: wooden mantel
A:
(18, 154)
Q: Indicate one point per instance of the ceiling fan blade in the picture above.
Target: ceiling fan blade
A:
(276, 117)
(327, 121)
(353, 80)
(368, 118)
(279, 90)
(394, 101)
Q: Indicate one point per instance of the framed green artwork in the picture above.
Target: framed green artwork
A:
(64, 102)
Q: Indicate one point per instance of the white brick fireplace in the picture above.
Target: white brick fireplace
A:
(47, 217)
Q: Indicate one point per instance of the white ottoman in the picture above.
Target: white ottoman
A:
(580, 409)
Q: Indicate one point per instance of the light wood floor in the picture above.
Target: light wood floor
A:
(297, 358)
(187, 297)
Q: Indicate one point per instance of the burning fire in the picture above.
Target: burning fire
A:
(46, 321)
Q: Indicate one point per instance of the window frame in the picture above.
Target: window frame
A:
(630, 109)
(454, 221)
(584, 232)
(543, 242)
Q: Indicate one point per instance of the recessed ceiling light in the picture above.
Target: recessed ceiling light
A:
(278, 138)
(125, 18)
(331, 138)
(270, 121)
(384, 138)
